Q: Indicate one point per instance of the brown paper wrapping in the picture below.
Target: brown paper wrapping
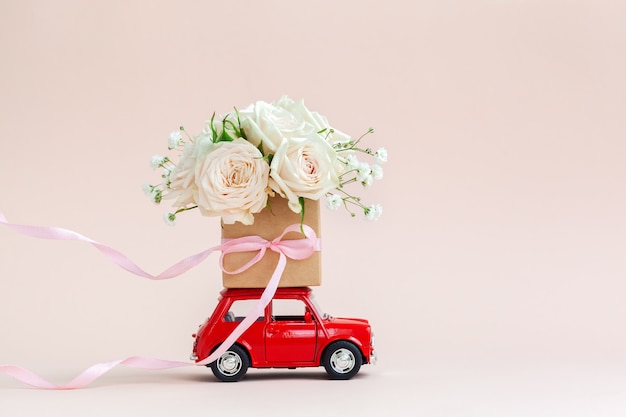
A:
(269, 225)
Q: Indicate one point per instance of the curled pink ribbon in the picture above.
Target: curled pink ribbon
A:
(291, 248)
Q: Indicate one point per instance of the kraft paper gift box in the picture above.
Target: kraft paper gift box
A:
(269, 224)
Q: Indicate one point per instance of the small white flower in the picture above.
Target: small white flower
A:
(169, 218)
(373, 212)
(157, 161)
(367, 181)
(167, 172)
(363, 171)
(156, 195)
(377, 172)
(175, 139)
(352, 161)
(381, 155)
(333, 201)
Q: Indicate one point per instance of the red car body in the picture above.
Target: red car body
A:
(299, 335)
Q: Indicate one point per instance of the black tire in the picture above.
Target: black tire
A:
(342, 360)
(232, 365)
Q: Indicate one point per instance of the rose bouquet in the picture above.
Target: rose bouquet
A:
(242, 158)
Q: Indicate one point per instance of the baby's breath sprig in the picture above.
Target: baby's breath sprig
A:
(357, 171)
(351, 145)
(170, 218)
(333, 201)
(159, 161)
(154, 192)
(176, 139)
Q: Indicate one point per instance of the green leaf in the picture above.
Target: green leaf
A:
(230, 123)
(224, 137)
(213, 131)
(301, 201)
(241, 132)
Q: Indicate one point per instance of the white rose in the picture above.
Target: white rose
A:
(319, 122)
(272, 124)
(231, 181)
(303, 167)
(183, 176)
(314, 119)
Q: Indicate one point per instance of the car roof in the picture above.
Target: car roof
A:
(256, 292)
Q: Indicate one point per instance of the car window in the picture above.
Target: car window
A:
(239, 309)
(288, 310)
(321, 312)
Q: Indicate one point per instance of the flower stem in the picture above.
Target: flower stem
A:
(180, 210)
(370, 130)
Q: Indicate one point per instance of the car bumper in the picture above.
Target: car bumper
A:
(373, 357)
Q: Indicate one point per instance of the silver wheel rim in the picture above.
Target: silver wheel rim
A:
(342, 361)
(229, 363)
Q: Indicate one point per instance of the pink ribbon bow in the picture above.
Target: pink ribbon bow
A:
(297, 249)
(294, 248)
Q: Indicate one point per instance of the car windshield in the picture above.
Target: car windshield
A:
(321, 312)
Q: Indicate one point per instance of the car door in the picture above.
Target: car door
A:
(235, 314)
(291, 333)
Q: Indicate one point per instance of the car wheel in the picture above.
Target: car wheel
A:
(232, 365)
(342, 360)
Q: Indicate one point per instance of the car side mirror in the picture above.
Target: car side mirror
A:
(307, 316)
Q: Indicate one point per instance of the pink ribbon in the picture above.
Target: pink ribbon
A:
(295, 249)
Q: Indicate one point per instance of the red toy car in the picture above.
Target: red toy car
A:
(292, 332)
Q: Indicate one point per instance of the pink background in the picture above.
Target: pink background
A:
(494, 280)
